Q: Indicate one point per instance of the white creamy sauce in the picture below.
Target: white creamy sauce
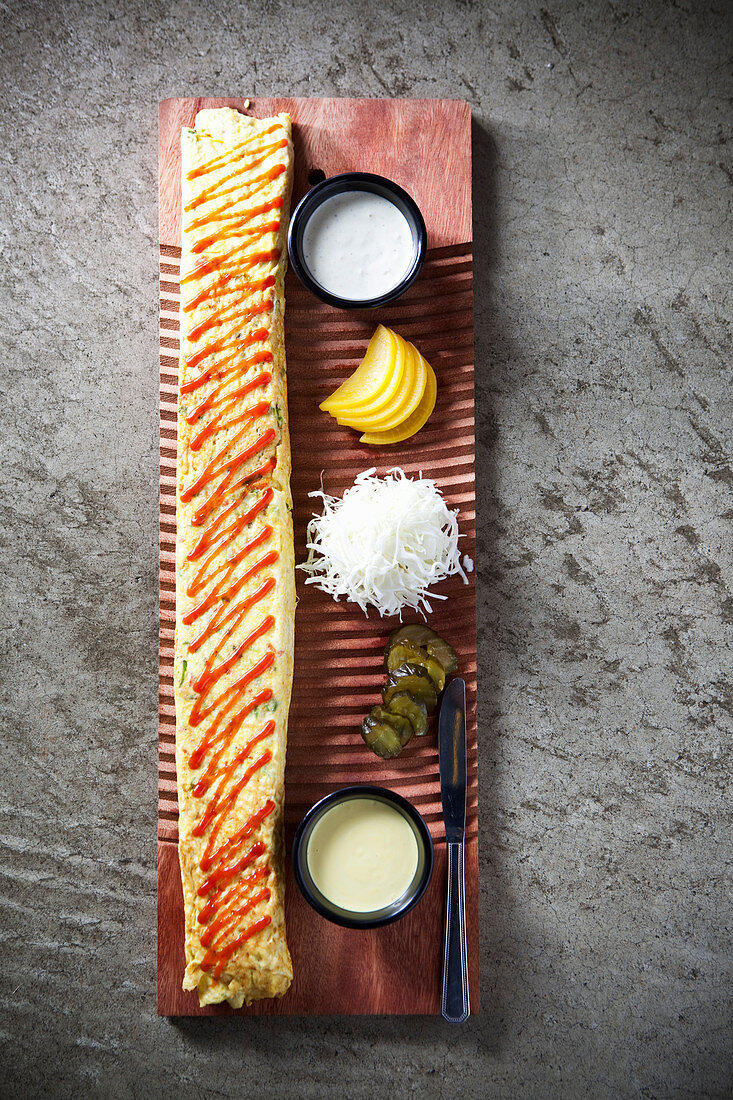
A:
(362, 854)
(358, 245)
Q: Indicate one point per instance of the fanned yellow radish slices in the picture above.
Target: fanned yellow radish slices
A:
(390, 395)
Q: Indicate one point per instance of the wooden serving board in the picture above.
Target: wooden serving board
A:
(424, 145)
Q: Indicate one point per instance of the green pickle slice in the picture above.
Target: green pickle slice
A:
(407, 652)
(413, 709)
(421, 635)
(385, 732)
(415, 680)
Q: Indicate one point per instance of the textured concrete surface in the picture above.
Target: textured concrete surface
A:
(602, 191)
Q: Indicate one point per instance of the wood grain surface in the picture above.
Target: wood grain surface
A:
(424, 145)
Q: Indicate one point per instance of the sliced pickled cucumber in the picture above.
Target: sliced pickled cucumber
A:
(386, 732)
(422, 635)
(413, 709)
(413, 679)
(394, 718)
(381, 738)
(404, 652)
(418, 661)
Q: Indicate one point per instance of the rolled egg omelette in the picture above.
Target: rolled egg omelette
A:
(235, 589)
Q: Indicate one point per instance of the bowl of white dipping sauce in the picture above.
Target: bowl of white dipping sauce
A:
(357, 240)
(363, 856)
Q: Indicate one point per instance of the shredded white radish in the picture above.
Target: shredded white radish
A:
(384, 543)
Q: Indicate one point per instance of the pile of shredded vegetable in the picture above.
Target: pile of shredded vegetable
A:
(384, 543)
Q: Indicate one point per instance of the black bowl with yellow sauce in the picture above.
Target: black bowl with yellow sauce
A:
(319, 834)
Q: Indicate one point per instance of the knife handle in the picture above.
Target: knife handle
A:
(455, 1007)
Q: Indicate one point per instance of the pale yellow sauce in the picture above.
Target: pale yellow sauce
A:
(362, 854)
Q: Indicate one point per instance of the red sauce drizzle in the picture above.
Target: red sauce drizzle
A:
(252, 162)
(218, 287)
(231, 493)
(218, 192)
(226, 340)
(240, 265)
(235, 153)
(237, 222)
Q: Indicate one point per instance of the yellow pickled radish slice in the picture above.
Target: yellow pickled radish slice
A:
(409, 400)
(414, 423)
(371, 378)
(373, 412)
(398, 385)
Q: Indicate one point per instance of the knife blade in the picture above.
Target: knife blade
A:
(455, 1001)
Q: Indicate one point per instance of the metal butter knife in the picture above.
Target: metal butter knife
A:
(455, 1005)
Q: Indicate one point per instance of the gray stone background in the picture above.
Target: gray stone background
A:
(602, 224)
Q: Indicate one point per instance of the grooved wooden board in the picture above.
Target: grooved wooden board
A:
(424, 145)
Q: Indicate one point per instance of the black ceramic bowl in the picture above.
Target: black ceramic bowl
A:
(337, 185)
(378, 917)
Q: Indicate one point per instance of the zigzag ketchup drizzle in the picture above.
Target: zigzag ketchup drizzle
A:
(229, 497)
